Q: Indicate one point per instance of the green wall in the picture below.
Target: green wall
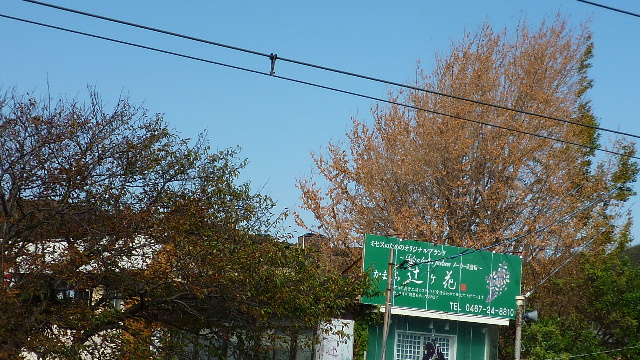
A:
(473, 341)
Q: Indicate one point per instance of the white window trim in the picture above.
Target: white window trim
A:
(447, 316)
(452, 342)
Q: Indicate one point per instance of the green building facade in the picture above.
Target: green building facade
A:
(446, 302)
(456, 340)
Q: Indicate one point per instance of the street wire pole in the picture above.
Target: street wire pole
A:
(387, 305)
(520, 311)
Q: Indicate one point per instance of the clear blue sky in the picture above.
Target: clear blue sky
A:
(278, 123)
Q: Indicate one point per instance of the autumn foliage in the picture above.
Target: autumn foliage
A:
(450, 171)
(121, 240)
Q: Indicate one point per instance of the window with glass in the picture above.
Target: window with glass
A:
(422, 346)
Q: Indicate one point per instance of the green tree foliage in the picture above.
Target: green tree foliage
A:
(560, 338)
(633, 253)
(123, 240)
(603, 319)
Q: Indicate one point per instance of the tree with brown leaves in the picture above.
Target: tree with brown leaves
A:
(121, 240)
(450, 171)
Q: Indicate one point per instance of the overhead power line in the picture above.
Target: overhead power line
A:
(413, 107)
(595, 353)
(272, 57)
(321, 86)
(564, 218)
(584, 246)
(609, 8)
(541, 229)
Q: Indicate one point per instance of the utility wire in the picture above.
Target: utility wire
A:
(548, 205)
(574, 255)
(439, 113)
(566, 261)
(466, 252)
(609, 8)
(470, 251)
(595, 353)
(273, 58)
(562, 219)
(165, 32)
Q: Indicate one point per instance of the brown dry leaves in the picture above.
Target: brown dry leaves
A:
(418, 175)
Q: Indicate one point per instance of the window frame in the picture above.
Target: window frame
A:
(424, 337)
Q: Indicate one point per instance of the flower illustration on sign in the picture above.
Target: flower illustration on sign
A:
(497, 281)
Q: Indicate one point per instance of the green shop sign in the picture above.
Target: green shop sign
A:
(444, 278)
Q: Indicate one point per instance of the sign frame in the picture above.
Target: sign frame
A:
(443, 278)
